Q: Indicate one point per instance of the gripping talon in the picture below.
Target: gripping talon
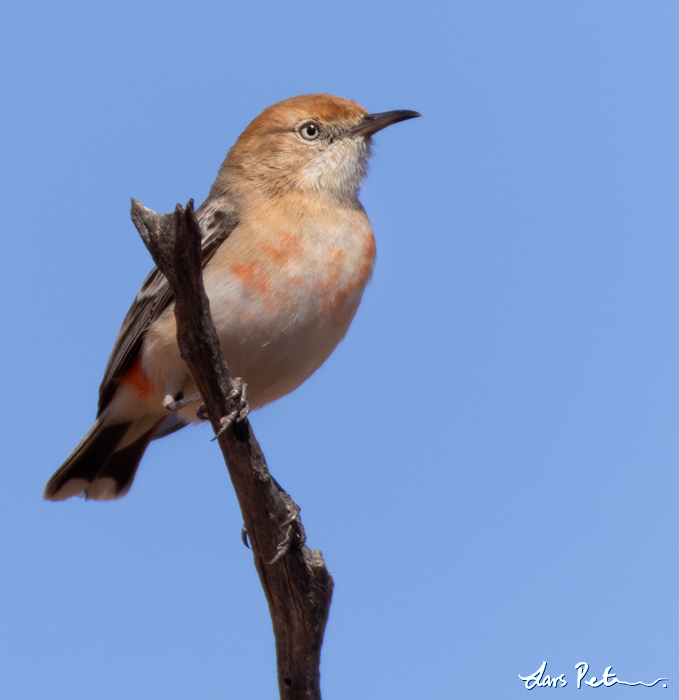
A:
(200, 413)
(239, 413)
(225, 423)
(240, 394)
(294, 535)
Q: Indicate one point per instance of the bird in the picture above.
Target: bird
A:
(287, 252)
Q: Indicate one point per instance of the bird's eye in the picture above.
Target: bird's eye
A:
(310, 131)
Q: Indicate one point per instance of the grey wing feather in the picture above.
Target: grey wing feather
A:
(217, 222)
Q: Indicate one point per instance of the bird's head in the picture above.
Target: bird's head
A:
(317, 143)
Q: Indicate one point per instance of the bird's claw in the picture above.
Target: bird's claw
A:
(239, 395)
(294, 535)
(201, 412)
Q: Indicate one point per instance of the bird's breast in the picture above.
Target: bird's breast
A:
(283, 297)
(294, 273)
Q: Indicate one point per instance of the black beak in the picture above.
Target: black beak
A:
(374, 122)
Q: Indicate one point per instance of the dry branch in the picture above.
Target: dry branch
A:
(297, 585)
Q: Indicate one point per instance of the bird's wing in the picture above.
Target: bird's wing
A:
(216, 222)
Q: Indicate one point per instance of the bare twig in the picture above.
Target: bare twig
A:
(296, 583)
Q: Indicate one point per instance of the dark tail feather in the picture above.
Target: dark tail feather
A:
(121, 468)
(95, 468)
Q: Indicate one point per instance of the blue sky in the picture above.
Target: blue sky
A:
(488, 461)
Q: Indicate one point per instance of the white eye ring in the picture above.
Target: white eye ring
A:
(310, 131)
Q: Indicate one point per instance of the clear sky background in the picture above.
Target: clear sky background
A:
(488, 461)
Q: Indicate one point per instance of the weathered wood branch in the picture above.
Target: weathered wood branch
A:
(296, 583)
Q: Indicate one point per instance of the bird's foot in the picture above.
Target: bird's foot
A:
(173, 405)
(293, 535)
(239, 397)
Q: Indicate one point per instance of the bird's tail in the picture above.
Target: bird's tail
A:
(99, 467)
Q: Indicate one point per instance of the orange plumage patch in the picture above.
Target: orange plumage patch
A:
(266, 262)
(136, 377)
(253, 277)
(335, 303)
(286, 246)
